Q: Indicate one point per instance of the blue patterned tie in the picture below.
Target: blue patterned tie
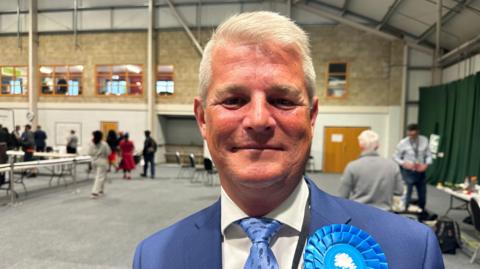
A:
(260, 231)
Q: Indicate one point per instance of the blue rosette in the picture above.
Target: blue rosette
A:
(343, 246)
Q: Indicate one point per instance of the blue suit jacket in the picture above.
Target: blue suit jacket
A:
(195, 242)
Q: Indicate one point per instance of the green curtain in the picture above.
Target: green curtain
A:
(452, 111)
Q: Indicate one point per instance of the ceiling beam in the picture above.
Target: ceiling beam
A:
(388, 28)
(338, 9)
(445, 18)
(345, 7)
(389, 14)
(126, 7)
(461, 52)
(361, 27)
(185, 27)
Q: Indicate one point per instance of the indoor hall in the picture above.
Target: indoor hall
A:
(72, 67)
(61, 227)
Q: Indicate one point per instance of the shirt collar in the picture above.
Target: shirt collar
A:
(369, 153)
(291, 212)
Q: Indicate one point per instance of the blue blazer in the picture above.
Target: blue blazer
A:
(196, 241)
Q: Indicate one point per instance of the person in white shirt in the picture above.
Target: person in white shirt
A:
(413, 155)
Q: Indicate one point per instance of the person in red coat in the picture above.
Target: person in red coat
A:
(126, 150)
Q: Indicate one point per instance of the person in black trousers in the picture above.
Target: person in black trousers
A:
(40, 139)
(149, 149)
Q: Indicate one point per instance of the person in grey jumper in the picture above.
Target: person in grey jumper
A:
(99, 150)
(72, 142)
(371, 179)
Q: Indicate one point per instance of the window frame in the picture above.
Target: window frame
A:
(172, 76)
(327, 77)
(127, 94)
(24, 92)
(80, 88)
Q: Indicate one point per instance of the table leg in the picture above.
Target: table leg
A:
(11, 186)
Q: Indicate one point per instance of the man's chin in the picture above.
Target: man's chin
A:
(261, 178)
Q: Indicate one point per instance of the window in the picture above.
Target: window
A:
(13, 80)
(61, 80)
(337, 80)
(119, 79)
(165, 84)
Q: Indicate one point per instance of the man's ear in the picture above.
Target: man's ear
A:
(199, 111)
(314, 111)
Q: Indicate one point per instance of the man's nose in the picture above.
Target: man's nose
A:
(259, 117)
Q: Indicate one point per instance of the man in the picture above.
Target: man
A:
(40, 138)
(16, 137)
(149, 149)
(5, 138)
(413, 155)
(371, 179)
(256, 111)
(28, 143)
(72, 142)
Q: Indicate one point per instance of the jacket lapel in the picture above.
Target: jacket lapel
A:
(204, 244)
(324, 210)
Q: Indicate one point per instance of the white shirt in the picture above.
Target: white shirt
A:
(236, 245)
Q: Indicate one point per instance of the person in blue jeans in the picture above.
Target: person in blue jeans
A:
(149, 149)
(414, 156)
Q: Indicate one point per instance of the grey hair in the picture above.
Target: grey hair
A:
(368, 140)
(260, 27)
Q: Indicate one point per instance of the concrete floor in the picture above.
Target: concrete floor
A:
(61, 227)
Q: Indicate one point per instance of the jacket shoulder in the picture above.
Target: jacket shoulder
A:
(165, 247)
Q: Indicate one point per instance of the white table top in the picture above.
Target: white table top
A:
(43, 154)
(461, 193)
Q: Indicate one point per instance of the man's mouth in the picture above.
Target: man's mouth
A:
(257, 147)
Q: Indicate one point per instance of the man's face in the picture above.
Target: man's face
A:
(257, 118)
(412, 134)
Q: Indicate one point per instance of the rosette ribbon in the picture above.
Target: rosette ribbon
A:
(343, 246)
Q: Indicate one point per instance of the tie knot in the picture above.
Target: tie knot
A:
(260, 229)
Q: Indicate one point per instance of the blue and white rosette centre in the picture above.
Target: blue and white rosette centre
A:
(343, 246)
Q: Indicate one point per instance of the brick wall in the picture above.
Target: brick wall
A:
(375, 72)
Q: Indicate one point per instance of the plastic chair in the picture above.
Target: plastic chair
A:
(475, 210)
(196, 171)
(311, 164)
(209, 171)
(184, 170)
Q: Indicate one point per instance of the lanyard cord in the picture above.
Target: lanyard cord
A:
(302, 239)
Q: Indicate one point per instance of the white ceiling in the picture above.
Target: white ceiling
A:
(410, 18)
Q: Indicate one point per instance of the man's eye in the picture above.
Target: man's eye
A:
(234, 102)
(282, 103)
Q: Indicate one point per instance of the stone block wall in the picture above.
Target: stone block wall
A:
(374, 64)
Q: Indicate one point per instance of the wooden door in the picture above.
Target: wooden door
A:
(106, 126)
(340, 147)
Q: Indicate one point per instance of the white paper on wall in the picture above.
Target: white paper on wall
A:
(6, 119)
(337, 138)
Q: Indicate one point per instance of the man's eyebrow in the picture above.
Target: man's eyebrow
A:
(285, 90)
(230, 89)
